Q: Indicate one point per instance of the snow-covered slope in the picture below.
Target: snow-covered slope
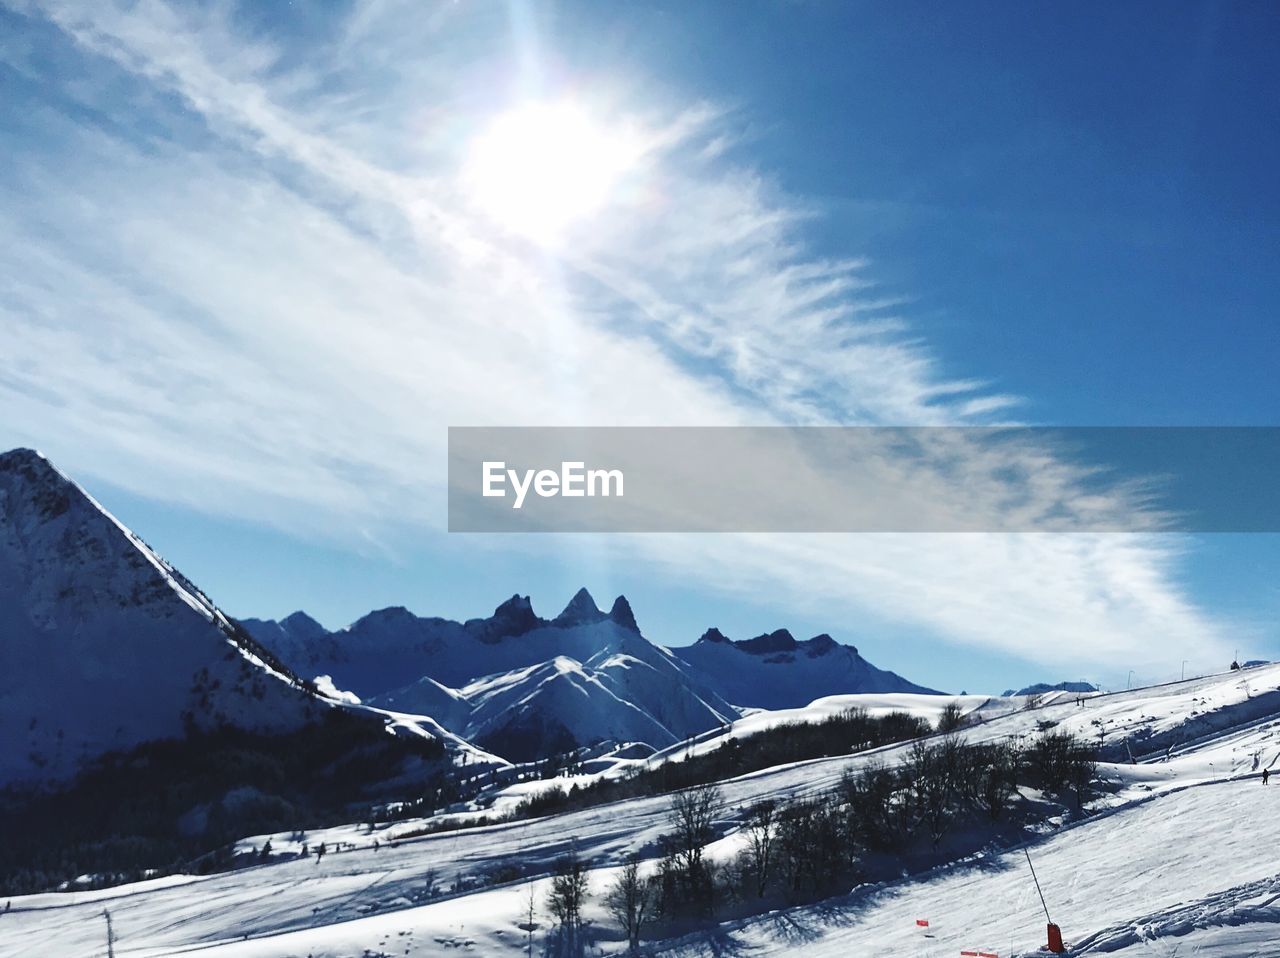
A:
(103, 645)
(1176, 862)
(774, 671)
(555, 706)
(428, 697)
(560, 704)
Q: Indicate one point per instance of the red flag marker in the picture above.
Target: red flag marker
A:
(922, 922)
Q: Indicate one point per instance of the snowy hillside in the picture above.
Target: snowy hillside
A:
(104, 644)
(774, 671)
(558, 705)
(1173, 858)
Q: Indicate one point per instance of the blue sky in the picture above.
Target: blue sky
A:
(256, 260)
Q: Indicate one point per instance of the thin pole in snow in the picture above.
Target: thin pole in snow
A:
(1037, 881)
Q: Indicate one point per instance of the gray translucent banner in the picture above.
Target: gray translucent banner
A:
(864, 479)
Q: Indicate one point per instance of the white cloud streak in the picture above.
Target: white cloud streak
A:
(273, 303)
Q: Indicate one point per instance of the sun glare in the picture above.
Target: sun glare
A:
(541, 167)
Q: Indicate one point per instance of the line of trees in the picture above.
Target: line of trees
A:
(815, 846)
(847, 732)
(307, 778)
(844, 733)
(807, 848)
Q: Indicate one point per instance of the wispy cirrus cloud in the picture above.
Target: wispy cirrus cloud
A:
(244, 273)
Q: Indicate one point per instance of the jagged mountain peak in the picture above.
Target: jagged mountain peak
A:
(622, 615)
(515, 616)
(581, 610)
(24, 455)
(133, 649)
(779, 640)
(49, 492)
(774, 670)
(516, 604)
(684, 690)
(303, 625)
(822, 644)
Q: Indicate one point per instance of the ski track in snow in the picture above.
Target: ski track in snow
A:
(1180, 862)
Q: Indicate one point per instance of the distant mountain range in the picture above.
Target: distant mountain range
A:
(1040, 688)
(106, 645)
(774, 671)
(522, 686)
(514, 683)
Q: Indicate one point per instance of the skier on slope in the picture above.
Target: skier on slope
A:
(1266, 774)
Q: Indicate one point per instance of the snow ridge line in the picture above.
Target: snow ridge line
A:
(1231, 906)
(1218, 735)
(189, 593)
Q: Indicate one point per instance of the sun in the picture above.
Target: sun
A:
(541, 167)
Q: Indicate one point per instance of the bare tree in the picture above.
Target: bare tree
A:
(762, 831)
(1082, 768)
(428, 889)
(996, 774)
(693, 814)
(568, 894)
(878, 812)
(951, 718)
(529, 916)
(629, 901)
(934, 773)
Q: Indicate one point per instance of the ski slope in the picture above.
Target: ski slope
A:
(1180, 856)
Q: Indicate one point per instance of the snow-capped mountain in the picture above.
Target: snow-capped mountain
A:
(1040, 688)
(774, 671)
(524, 686)
(514, 683)
(104, 644)
(107, 646)
(562, 703)
(375, 653)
